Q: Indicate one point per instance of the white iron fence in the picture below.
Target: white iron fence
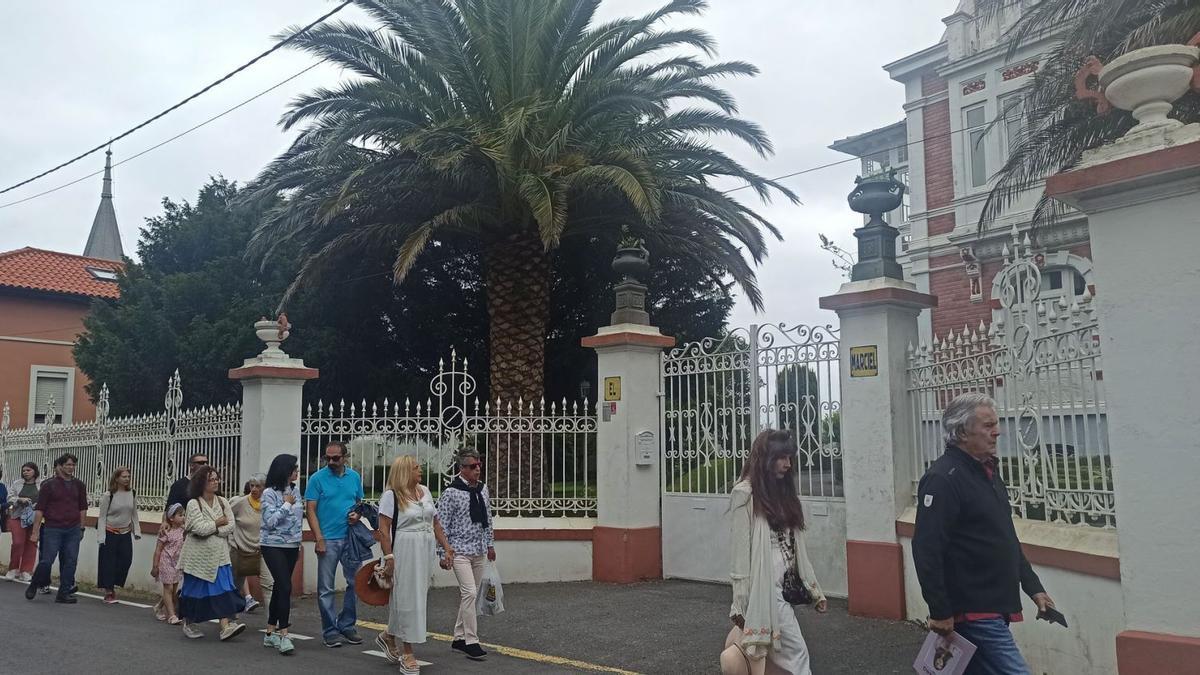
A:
(719, 393)
(538, 458)
(1040, 360)
(154, 447)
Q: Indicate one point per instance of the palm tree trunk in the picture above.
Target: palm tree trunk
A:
(518, 294)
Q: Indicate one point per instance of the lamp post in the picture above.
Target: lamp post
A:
(585, 388)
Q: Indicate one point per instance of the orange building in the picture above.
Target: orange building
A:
(44, 296)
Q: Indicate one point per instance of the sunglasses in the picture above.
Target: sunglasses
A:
(474, 465)
(334, 458)
(199, 462)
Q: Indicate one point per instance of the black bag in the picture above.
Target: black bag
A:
(794, 590)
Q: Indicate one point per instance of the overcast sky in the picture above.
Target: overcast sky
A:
(81, 72)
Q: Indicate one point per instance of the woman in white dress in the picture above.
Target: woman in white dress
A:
(768, 543)
(407, 511)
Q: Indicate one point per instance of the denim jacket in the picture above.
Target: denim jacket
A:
(18, 511)
(282, 523)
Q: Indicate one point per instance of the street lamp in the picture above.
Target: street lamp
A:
(585, 388)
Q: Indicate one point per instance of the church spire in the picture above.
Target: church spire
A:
(104, 241)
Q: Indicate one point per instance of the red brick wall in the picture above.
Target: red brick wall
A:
(939, 163)
(953, 290)
(932, 84)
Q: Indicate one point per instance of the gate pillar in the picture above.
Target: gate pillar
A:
(627, 539)
(878, 323)
(1141, 195)
(272, 388)
(878, 312)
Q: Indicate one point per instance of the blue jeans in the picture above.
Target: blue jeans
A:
(336, 551)
(61, 543)
(996, 652)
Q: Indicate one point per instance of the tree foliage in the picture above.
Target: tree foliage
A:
(517, 129)
(1059, 127)
(191, 299)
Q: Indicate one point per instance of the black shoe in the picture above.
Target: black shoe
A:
(352, 637)
(31, 591)
(66, 599)
(474, 652)
(459, 645)
(333, 642)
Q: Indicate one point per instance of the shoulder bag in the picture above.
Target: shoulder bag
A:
(795, 592)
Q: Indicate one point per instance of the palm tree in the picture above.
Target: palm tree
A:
(514, 125)
(1059, 127)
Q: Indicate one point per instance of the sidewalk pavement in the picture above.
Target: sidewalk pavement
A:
(661, 627)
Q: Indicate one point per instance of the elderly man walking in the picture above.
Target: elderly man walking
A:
(62, 505)
(466, 517)
(968, 559)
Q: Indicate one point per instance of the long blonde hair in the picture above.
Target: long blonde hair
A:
(402, 483)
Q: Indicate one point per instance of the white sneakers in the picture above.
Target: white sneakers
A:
(12, 575)
(191, 632)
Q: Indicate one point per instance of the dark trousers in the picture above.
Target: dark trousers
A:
(281, 562)
(116, 555)
(61, 543)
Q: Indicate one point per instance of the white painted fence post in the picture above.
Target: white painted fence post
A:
(272, 397)
(1142, 198)
(627, 539)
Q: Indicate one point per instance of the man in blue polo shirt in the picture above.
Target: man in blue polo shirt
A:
(330, 498)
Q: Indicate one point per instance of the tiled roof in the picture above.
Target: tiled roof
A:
(53, 272)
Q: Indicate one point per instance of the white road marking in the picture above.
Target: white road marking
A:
(376, 652)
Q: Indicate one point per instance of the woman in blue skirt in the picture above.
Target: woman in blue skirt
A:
(208, 591)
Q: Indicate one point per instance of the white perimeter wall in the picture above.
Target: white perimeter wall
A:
(522, 561)
(696, 540)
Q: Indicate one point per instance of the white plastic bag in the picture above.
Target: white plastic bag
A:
(490, 600)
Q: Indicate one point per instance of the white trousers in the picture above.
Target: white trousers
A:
(792, 655)
(469, 570)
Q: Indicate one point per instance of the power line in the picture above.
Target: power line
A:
(169, 140)
(194, 96)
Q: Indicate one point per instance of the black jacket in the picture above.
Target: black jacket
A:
(965, 548)
(178, 493)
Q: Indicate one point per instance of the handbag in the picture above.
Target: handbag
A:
(371, 584)
(795, 592)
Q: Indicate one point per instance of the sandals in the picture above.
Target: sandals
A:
(391, 653)
(173, 620)
(409, 666)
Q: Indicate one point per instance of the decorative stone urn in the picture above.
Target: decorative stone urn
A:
(874, 196)
(632, 262)
(1148, 81)
(273, 333)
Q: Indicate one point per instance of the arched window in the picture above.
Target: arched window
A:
(1061, 281)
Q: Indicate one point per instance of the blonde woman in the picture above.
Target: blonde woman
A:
(116, 529)
(408, 524)
(768, 543)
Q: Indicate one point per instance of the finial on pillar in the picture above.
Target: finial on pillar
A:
(875, 196)
(632, 262)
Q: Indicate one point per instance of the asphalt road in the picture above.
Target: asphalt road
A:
(658, 627)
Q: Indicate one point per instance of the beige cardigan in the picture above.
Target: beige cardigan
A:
(206, 546)
(752, 571)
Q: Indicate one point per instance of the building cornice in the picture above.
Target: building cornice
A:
(926, 57)
(924, 101)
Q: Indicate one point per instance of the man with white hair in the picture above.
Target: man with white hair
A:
(968, 558)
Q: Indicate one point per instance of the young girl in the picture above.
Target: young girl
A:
(166, 560)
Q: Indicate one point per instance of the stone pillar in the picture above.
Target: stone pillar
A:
(627, 539)
(878, 317)
(1141, 195)
(272, 390)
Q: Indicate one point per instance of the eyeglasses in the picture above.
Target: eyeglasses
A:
(474, 465)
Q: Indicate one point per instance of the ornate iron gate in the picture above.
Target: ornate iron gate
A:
(717, 395)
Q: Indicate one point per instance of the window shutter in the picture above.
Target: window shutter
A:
(47, 386)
